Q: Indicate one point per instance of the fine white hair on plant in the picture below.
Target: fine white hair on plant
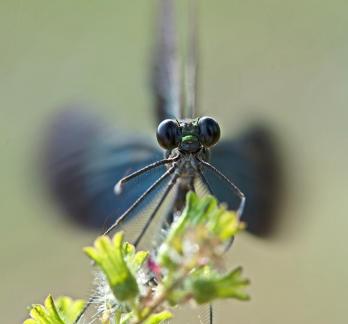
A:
(105, 301)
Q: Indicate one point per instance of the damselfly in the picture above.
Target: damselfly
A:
(85, 160)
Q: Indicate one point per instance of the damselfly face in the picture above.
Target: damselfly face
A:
(188, 136)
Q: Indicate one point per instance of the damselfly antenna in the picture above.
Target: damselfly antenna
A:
(119, 185)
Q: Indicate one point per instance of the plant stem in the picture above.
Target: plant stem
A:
(118, 317)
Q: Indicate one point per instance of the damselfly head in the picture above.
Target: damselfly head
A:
(189, 136)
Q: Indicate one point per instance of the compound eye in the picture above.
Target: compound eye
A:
(209, 131)
(168, 134)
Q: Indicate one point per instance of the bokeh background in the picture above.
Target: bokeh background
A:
(283, 62)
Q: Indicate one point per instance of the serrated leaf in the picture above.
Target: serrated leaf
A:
(224, 224)
(140, 258)
(110, 257)
(63, 311)
(206, 288)
(69, 309)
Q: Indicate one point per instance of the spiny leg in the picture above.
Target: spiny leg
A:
(154, 212)
(205, 314)
(119, 184)
(234, 188)
(205, 182)
(141, 198)
(239, 212)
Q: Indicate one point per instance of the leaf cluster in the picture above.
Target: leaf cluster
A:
(142, 287)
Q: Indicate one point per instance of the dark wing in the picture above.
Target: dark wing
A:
(191, 68)
(84, 159)
(165, 67)
(250, 161)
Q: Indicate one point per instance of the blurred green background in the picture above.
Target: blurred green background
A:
(284, 62)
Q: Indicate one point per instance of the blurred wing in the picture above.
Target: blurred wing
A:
(84, 160)
(191, 69)
(165, 67)
(251, 163)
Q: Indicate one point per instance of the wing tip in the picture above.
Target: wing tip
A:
(260, 147)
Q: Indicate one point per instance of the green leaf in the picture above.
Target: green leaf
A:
(223, 223)
(44, 314)
(111, 257)
(64, 311)
(134, 260)
(201, 216)
(207, 287)
(69, 309)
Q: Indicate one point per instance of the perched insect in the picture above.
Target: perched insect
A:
(84, 160)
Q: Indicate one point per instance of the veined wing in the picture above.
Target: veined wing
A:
(83, 161)
(165, 66)
(166, 80)
(191, 68)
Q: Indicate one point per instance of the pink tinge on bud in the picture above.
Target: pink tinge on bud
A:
(154, 267)
(203, 261)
